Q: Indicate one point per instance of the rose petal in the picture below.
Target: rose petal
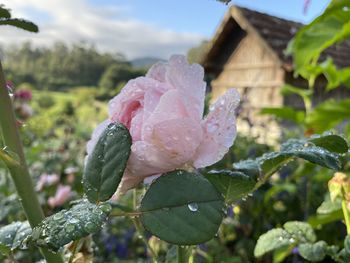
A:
(219, 130)
(157, 71)
(188, 80)
(170, 106)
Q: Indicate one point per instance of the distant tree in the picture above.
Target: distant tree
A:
(116, 74)
(60, 66)
(195, 54)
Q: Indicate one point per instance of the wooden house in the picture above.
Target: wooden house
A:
(247, 53)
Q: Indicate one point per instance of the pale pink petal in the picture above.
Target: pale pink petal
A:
(96, 135)
(170, 106)
(145, 160)
(219, 130)
(136, 125)
(188, 80)
(131, 98)
(178, 138)
(157, 71)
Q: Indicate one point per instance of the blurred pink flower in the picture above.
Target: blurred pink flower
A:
(63, 193)
(164, 114)
(47, 180)
(23, 94)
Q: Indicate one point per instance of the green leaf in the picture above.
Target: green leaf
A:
(322, 219)
(233, 185)
(306, 94)
(300, 231)
(285, 113)
(307, 149)
(347, 244)
(313, 252)
(106, 164)
(331, 27)
(70, 224)
(4, 12)
(274, 239)
(328, 114)
(12, 236)
(328, 206)
(333, 143)
(294, 233)
(21, 23)
(182, 208)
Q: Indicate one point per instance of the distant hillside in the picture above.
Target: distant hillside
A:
(145, 62)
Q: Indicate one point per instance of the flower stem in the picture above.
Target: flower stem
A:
(20, 173)
(140, 231)
(346, 216)
(181, 255)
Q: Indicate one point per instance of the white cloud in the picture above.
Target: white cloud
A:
(108, 28)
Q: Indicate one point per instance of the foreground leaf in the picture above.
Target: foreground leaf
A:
(106, 164)
(322, 151)
(13, 235)
(313, 252)
(21, 23)
(233, 185)
(272, 240)
(69, 225)
(182, 208)
(294, 233)
(300, 231)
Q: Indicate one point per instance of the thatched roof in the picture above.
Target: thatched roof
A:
(273, 32)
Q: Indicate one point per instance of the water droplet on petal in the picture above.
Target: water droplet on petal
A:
(212, 127)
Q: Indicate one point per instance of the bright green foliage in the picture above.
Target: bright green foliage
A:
(65, 226)
(294, 233)
(285, 113)
(313, 252)
(106, 164)
(233, 185)
(182, 208)
(13, 236)
(333, 26)
(274, 239)
(347, 244)
(301, 231)
(328, 114)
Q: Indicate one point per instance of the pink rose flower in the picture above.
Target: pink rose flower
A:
(164, 114)
(63, 193)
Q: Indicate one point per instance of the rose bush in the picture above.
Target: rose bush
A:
(164, 114)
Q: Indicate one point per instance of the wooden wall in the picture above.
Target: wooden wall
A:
(258, 76)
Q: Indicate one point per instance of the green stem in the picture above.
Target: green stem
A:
(346, 216)
(181, 255)
(140, 231)
(20, 173)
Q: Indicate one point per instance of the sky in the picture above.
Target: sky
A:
(137, 28)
